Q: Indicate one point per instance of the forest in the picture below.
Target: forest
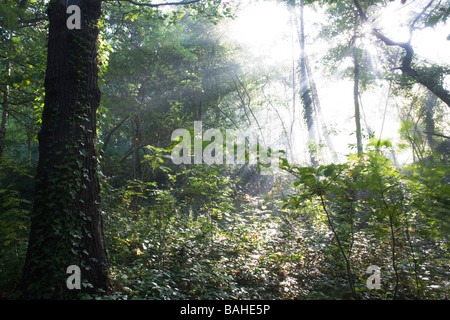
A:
(224, 149)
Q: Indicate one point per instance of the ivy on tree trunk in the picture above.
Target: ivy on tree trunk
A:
(66, 222)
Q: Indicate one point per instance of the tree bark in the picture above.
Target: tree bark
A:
(66, 223)
(320, 118)
(3, 121)
(430, 104)
(5, 113)
(305, 91)
(137, 169)
(359, 145)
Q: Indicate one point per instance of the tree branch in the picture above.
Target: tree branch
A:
(31, 22)
(431, 83)
(437, 134)
(420, 15)
(111, 132)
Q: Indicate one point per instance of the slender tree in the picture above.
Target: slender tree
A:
(356, 76)
(429, 106)
(5, 113)
(305, 90)
(320, 118)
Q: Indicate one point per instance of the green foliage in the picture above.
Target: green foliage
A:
(439, 16)
(379, 216)
(22, 66)
(15, 205)
(169, 242)
(182, 240)
(223, 232)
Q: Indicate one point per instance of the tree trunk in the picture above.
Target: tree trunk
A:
(320, 118)
(429, 106)
(137, 169)
(305, 91)
(5, 113)
(3, 122)
(359, 145)
(428, 79)
(66, 223)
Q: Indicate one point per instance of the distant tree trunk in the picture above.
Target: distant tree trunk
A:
(430, 104)
(66, 223)
(137, 170)
(109, 135)
(359, 145)
(305, 91)
(5, 113)
(316, 101)
(3, 123)
(294, 71)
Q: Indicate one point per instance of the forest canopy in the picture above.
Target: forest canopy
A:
(224, 149)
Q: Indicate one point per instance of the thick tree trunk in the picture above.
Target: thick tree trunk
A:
(66, 224)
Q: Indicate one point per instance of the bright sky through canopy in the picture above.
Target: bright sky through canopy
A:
(266, 29)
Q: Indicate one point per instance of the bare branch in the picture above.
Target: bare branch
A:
(33, 20)
(437, 134)
(30, 22)
(421, 14)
